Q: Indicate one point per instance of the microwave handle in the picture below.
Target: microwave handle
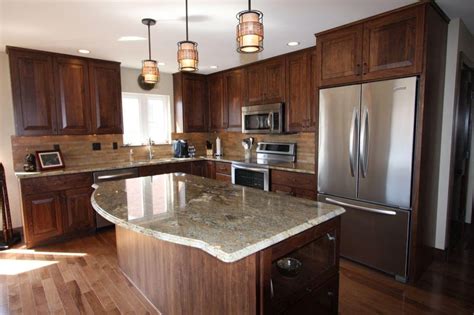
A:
(270, 121)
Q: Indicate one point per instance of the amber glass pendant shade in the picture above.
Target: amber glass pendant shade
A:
(188, 57)
(250, 31)
(150, 71)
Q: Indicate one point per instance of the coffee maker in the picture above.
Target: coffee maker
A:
(180, 148)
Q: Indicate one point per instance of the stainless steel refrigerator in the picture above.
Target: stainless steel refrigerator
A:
(366, 140)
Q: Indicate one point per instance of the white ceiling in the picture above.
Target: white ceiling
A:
(67, 25)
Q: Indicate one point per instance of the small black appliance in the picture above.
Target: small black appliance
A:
(180, 148)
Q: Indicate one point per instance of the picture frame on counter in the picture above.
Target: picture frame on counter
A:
(50, 160)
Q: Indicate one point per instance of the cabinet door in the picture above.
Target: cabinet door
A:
(393, 44)
(274, 81)
(314, 94)
(340, 56)
(235, 93)
(198, 168)
(255, 84)
(218, 109)
(298, 97)
(72, 95)
(33, 92)
(211, 169)
(106, 97)
(79, 213)
(43, 217)
(195, 103)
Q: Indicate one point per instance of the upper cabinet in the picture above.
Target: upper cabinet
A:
(266, 82)
(72, 95)
(33, 92)
(106, 97)
(234, 97)
(191, 102)
(300, 114)
(218, 113)
(386, 46)
(60, 94)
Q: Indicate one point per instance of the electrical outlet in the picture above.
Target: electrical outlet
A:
(96, 146)
(56, 147)
(115, 146)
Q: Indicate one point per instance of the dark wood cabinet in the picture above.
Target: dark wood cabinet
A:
(211, 169)
(266, 82)
(61, 94)
(383, 47)
(198, 168)
(314, 288)
(393, 44)
(314, 94)
(71, 77)
(234, 97)
(106, 97)
(298, 106)
(223, 171)
(43, 217)
(294, 184)
(340, 56)
(33, 92)
(218, 110)
(191, 102)
(56, 207)
(79, 214)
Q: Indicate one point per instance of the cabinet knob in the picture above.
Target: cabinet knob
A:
(358, 70)
(309, 290)
(366, 66)
(330, 293)
(330, 237)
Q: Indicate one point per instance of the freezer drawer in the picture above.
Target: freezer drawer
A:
(376, 236)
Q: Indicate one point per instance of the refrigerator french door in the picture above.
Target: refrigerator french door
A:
(366, 137)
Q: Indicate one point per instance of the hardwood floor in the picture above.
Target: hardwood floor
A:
(82, 276)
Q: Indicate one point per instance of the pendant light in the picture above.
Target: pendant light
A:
(250, 31)
(188, 58)
(150, 72)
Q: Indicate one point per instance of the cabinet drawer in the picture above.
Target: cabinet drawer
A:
(223, 168)
(223, 178)
(297, 180)
(55, 183)
(295, 192)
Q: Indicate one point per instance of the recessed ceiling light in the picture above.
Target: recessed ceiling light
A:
(293, 43)
(213, 67)
(161, 63)
(130, 38)
(83, 51)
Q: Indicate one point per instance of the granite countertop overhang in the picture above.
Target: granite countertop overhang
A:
(299, 167)
(227, 221)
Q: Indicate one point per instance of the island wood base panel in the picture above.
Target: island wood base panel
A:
(179, 279)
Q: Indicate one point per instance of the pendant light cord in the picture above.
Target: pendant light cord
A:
(250, 7)
(149, 43)
(186, 20)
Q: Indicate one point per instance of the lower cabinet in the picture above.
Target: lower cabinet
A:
(223, 172)
(56, 207)
(314, 287)
(198, 168)
(294, 184)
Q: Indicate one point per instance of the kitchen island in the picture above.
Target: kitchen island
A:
(193, 245)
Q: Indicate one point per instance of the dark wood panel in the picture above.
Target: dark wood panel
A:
(223, 178)
(72, 95)
(195, 103)
(211, 169)
(151, 170)
(234, 97)
(198, 168)
(255, 84)
(79, 215)
(298, 91)
(55, 183)
(340, 56)
(293, 179)
(314, 95)
(223, 168)
(106, 97)
(33, 92)
(218, 111)
(180, 279)
(274, 80)
(393, 44)
(42, 216)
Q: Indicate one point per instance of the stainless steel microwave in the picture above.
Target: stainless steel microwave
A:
(262, 118)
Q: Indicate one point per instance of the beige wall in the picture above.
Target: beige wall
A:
(459, 39)
(7, 129)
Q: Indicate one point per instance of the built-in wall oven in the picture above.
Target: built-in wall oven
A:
(262, 118)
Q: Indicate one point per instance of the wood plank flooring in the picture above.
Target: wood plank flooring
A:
(82, 276)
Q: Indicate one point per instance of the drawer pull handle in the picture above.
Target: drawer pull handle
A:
(271, 289)
(330, 237)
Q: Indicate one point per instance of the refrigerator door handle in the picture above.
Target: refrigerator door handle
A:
(364, 144)
(352, 140)
(344, 204)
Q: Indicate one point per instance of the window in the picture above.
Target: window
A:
(146, 116)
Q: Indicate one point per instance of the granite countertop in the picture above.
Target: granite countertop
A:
(292, 167)
(227, 221)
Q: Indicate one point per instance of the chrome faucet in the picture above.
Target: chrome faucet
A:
(150, 149)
